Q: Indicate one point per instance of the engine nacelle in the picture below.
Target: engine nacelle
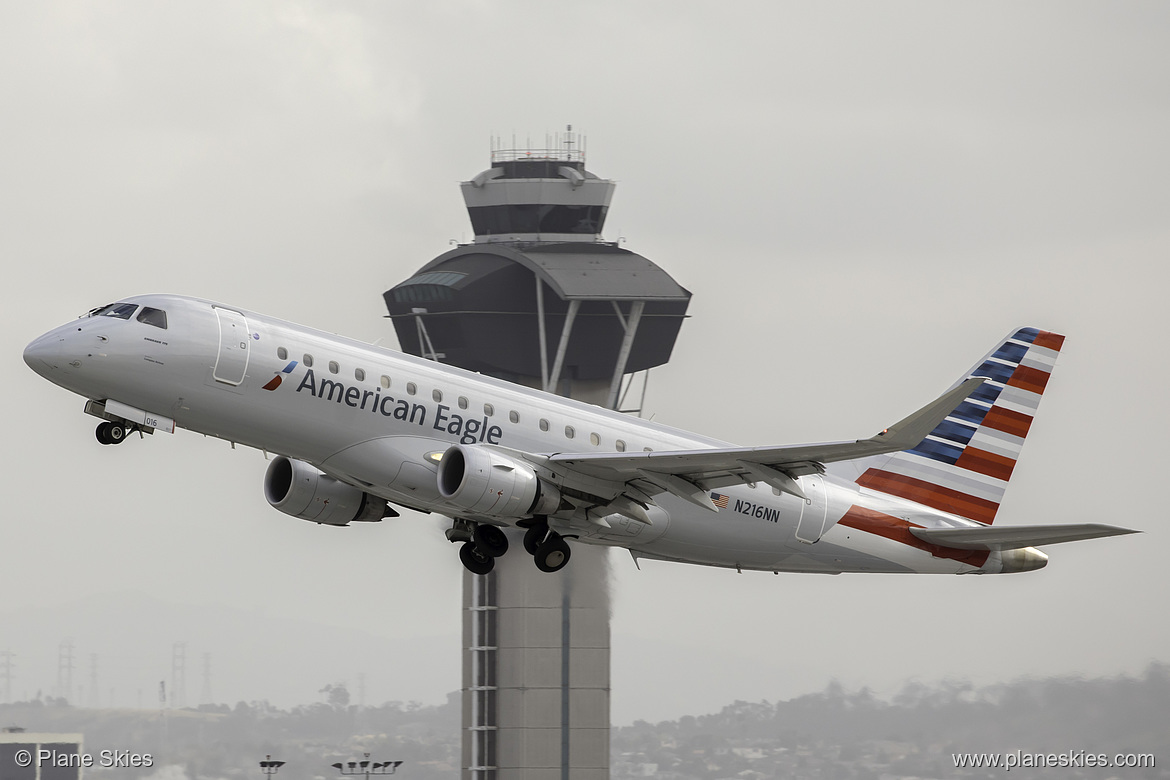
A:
(296, 488)
(483, 481)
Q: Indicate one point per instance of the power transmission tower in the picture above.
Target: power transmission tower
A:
(6, 657)
(179, 675)
(94, 693)
(205, 695)
(65, 670)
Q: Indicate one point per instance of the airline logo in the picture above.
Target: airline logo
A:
(443, 418)
(276, 380)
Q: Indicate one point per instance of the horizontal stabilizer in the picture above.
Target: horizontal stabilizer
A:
(1015, 537)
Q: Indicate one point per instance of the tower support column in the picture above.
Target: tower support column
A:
(541, 710)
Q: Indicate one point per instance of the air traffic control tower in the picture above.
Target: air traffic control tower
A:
(540, 299)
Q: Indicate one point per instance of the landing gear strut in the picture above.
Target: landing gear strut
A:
(535, 536)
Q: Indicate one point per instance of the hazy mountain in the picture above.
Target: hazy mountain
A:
(253, 656)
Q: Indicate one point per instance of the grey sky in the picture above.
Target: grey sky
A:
(862, 198)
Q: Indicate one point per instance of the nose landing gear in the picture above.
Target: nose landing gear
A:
(111, 432)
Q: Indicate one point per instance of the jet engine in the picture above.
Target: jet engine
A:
(296, 488)
(483, 481)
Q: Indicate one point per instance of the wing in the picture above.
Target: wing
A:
(689, 474)
(1015, 537)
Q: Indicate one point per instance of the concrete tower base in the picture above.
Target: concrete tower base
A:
(536, 669)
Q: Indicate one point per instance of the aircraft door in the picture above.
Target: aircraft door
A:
(232, 361)
(813, 512)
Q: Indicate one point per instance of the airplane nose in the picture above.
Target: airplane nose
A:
(43, 354)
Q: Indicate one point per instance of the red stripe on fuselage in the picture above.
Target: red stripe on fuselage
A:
(898, 530)
(930, 494)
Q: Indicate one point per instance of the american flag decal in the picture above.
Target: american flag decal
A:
(719, 500)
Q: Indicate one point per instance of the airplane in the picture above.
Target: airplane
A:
(357, 429)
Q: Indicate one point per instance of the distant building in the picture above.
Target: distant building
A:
(20, 749)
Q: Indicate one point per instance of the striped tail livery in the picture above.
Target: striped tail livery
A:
(963, 466)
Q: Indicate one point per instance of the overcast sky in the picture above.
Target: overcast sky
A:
(862, 197)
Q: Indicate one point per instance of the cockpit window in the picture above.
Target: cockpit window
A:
(121, 311)
(155, 317)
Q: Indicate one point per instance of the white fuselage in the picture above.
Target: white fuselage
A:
(379, 420)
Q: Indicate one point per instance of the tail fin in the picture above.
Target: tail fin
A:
(964, 464)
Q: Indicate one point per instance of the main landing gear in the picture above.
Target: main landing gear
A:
(112, 432)
(483, 543)
(479, 553)
(548, 549)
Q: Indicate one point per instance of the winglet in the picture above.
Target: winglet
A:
(908, 433)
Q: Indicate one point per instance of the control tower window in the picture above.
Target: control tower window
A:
(536, 218)
(155, 317)
(428, 287)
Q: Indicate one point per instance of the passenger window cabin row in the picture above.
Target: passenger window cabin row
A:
(437, 395)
